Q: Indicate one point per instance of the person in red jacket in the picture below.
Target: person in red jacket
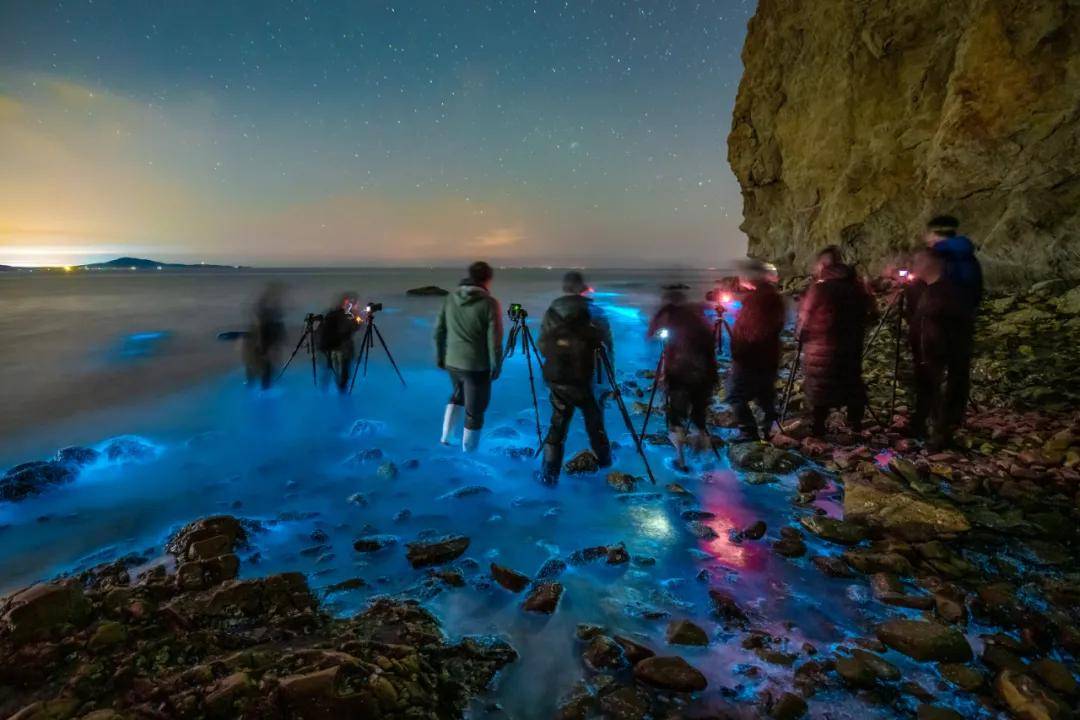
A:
(755, 351)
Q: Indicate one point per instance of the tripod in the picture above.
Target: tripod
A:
(895, 307)
(719, 325)
(521, 331)
(609, 371)
(309, 336)
(792, 372)
(367, 341)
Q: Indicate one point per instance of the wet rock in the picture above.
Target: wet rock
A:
(387, 471)
(701, 530)
(684, 632)
(427, 291)
(832, 566)
(697, 515)
(365, 428)
(422, 554)
(670, 673)
(760, 457)
(759, 478)
(622, 482)
(129, 449)
(543, 598)
(374, 543)
(837, 531)
(585, 462)
(790, 544)
(810, 481)
(755, 531)
(624, 703)
(465, 491)
(935, 712)
(1026, 698)
(207, 538)
(788, 707)
(1055, 675)
(203, 574)
(509, 579)
(603, 653)
(347, 585)
(925, 641)
(617, 555)
(881, 667)
(551, 569)
(77, 456)
(855, 673)
(950, 609)
(634, 651)
(725, 607)
(38, 611)
(962, 676)
(33, 478)
(222, 699)
(869, 561)
(882, 503)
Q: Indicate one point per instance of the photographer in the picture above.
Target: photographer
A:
(689, 370)
(832, 323)
(334, 339)
(755, 351)
(572, 332)
(263, 341)
(468, 345)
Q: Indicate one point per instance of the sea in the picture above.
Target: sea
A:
(90, 358)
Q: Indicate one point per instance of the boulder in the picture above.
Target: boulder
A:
(882, 503)
(603, 653)
(1026, 698)
(789, 707)
(509, 579)
(422, 554)
(33, 478)
(76, 456)
(38, 611)
(427, 291)
(129, 449)
(224, 532)
(374, 543)
(684, 632)
(925, 641)
(833, 530)
(634, 651)
(726, 607)
(543, 598)
(670, 673)
(621, 481)
(585, 462)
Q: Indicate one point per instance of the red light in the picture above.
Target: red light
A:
(725, 298)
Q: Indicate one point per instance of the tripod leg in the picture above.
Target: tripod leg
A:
(790, 383)
(896, 358)
(536, 405)
(610, 371)
(387, 350)
(360, 357)
(652, 393)
(299, 345)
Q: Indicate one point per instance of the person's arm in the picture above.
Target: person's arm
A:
(440, 337)
(495, 338)
(600, 322)
(548, 321)
(806, 308)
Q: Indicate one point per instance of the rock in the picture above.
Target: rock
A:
(387, 471)
(464, 492)
(221, 700)
(617, 555)
(1069, 303)
(603, 653)
(832, 566)
(811, 481)
(1025, 698)
(934, 712)
(365, 428)
(551, 569)
(760, 457)
(837, 531)
(624, 703)
(33, 478)
(881, 667)
(543, 598)
(670, 673)
(883, 504)
(76, 456)
(108, 633)
(869, 561)
(129, 449)
(925, 641)
(38, 611)
(933, 132)
(422, 554)
(789, 707)
(684, 632)
(347, 585)
(962, 676)
(583, 463)
(56, 709)
(1055, 675)
(634, 651)
(755, 531)
(790, 546)
(622, 482)
(427, 291)
(854, 673)
(224, 533)
(509, 579)
(374, 543)
(727, 608)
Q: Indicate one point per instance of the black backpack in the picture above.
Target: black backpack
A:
(569, 349)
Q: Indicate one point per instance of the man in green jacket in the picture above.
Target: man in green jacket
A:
(468, 345)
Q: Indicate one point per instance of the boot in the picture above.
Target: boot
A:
(450, 419)
(470, 440)
(552, 465)
(678, 440)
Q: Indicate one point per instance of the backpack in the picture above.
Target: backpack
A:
(570, 351)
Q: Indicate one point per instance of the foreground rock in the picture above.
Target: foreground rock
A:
(925, 641)
(670, 673)
(423, 554)
(257, 648)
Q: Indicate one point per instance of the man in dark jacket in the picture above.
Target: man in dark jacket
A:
(468, 345)
(335, 339)
(689, 369)
(755, 352)
(832, 324)
(263, 341)
(939, 324)
(571, 333)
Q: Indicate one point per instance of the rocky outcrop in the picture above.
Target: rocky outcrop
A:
(857, 120)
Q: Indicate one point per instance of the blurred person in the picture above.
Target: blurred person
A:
(262, 342)
(335, 339)
(468, 345)
(689, 370)
(939, 329)
(832, 323)
(755, 351)
(962, 268)
(571, 334)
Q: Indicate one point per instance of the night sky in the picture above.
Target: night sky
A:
(305, 133)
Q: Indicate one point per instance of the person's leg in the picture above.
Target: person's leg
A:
(562, 410)
(477, 398)
(594, 426)
(924, 399)
(856, 407)
(455, 406)
(700, 395)
(341, 363)
(739, 393)
(678, 409)
(958, 387)
(940, 426)
(820, 414)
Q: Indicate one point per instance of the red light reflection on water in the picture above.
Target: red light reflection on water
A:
(883, 458)
(722, 496)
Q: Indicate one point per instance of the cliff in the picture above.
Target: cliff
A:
(856, 120)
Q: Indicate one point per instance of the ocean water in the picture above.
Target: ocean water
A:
(89, 358)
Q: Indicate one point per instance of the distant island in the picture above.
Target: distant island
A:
(125, 263)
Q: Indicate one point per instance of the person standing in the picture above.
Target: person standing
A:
(832, 324)
(262, 342)
(572, 333)
(689, 370)
(468, 345)
(755, 352)
(335, 339)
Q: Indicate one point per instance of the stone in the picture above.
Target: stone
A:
(881, 667)
(38, 611)
(882, 503)
(727, 608)
(56, 709)
(1025, 698)
(427, 291)
(585, 462)
(854, 673)
(624, 703)
(509, 579)
(387, 471)
(374, 543)
(187, 543)
(671, 673)
(833, 530)
(220, 702)
(543, 598)
(1055, 675)
(810, 481)
(925, 641)
(970, 119)
(621, 481)
(935, 712)
(832, 566)
(962, 676)
(634, 651)
(422, 554)
(869, 561)
(77, 456)
(107, 634)
(684, 632)
(33, 478)
(603, 653)
(790, 546)
(203, 574)
(788, 707)
(755, 531)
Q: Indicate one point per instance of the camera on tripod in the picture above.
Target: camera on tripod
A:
(373, 307)
(516, 312)
(313, 318)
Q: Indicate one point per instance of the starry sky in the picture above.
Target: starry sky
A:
(414, 133)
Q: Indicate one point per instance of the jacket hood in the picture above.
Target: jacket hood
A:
(838, 271)
(467, 294)
(569, 306)
(955, 245)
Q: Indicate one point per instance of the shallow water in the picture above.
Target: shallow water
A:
(288, 458)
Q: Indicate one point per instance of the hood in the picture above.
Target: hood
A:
(839, 271)
(468, 294)
(957, 245)
(569, 306)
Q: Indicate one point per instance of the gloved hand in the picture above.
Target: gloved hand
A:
(441, 364)
(495, 373)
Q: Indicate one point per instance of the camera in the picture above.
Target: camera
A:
(516, 312)
(373, 307)
(903, 274)
(312, 317)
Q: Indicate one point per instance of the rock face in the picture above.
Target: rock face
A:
(856, 121)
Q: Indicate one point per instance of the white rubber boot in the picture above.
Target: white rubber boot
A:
(678, 440)
(470, 440)
(450, 421)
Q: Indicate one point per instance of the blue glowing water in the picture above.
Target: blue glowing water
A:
(292, 458)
